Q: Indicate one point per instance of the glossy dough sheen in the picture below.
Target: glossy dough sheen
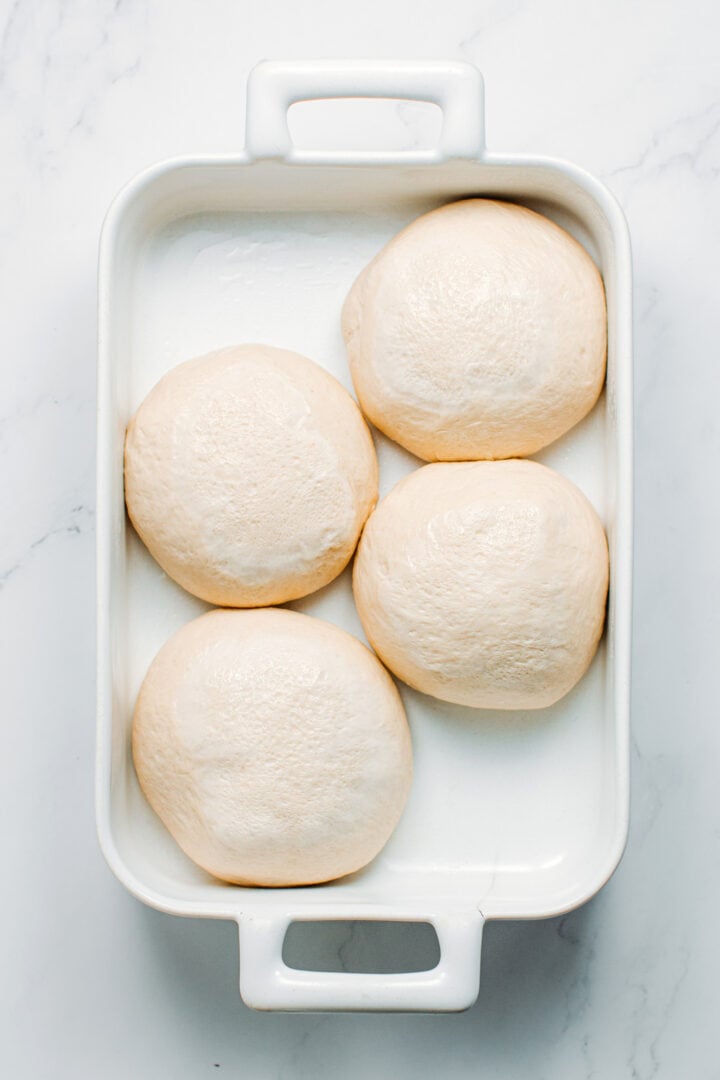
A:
(273, 746)
(249, 474)
(484, 583)
(479, 331)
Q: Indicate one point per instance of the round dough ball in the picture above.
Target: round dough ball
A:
(479, 331)
(484, 583)
(249, 474)
(273, 746)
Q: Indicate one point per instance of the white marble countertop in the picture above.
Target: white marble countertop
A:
(93, 983)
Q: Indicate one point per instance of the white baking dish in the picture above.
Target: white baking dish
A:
(511, 815)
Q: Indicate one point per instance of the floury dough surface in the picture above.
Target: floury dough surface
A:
(479, 331)
(273, 746)
(249, 474)
(484, 583)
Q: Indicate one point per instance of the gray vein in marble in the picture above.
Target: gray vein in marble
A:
(347, 944)
(80, 519)
(645, 1062)
(503, 11)
(578, 993)
(660, 159)
(667, 1010)
(62, 95)
(290, 1070)
(25, 411)
(647, 812)
(6, 37)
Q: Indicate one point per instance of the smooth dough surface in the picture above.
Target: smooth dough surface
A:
(479, 331)
(484, 583)
(249, 474)
(273, 746)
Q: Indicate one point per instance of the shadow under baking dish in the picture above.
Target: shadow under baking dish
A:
(518, 814)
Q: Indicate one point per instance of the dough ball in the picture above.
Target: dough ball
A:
(249, 474)
(484, 583)
(273, 746)
(479, 331)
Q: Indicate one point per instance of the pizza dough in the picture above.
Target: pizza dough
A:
(273, 746)
(479, 331)
(249, 474)
(484, 583)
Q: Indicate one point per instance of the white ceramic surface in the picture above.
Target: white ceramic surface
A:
(198, 254)
(94, 983)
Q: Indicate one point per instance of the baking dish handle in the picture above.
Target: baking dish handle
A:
(266, 982)
(274, 85)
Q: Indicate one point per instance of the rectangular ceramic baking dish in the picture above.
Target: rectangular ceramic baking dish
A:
(512, 815)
